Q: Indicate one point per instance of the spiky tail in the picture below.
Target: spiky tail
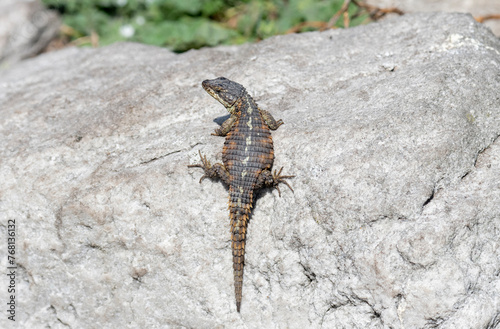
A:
(239, 215)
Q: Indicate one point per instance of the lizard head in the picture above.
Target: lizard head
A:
(227, 92)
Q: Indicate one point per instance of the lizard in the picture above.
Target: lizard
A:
(247, 156)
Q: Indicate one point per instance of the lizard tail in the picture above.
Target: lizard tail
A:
(239, 222)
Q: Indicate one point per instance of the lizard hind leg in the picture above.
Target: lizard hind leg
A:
(212, 171)
(278, 178)
(268, 179)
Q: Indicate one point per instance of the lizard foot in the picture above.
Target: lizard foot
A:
(217, 170)
(206, 166)
(278, 178)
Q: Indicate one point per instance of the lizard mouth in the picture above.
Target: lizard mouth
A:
(206, 85)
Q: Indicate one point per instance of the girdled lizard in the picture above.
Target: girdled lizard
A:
(248, 157)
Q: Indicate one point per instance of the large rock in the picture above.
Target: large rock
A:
(477, 8)
(26, 28)
(391, 130)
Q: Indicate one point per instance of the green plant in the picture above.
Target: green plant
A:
(184, 24)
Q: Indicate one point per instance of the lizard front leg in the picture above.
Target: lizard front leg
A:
(268, 118)
(217, 170)
(272, 180)
(226, 126)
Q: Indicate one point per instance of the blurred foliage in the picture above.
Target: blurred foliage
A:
(184, 24)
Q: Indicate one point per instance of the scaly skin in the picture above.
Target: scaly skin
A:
(248, 157)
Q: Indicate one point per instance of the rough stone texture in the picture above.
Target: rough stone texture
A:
(391, 129)
(474, 7)
(26, 28)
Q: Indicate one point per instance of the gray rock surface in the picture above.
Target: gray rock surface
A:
(26, 28)
(476, 8)
(391, 130)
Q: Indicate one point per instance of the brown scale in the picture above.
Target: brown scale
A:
(239, 157)
(248, 157)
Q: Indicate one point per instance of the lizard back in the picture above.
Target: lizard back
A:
(247, 151)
